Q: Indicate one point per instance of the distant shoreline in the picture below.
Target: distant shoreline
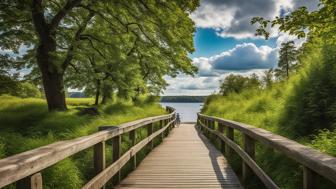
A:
(183, 99)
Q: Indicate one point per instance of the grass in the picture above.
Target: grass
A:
(26, 124)
(302, 109)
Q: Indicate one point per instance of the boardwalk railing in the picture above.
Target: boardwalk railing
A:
(312, 160)
(25, 168)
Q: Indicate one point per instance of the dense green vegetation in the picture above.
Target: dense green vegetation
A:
(183, 98)
(300, 107)
(26, 124)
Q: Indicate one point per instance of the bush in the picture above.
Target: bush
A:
(27, 90)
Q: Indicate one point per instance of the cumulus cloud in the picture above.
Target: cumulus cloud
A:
(231, 18)
(244, 56)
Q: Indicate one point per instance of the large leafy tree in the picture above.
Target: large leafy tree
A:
(157, 35)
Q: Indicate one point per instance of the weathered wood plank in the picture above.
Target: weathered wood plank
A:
(184, 160)
(99, 180)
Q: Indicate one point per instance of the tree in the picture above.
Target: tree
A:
(267, 78)
(55, 32)
(287, 59)
(237, 83)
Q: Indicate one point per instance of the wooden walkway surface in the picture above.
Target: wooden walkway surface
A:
(184, 160)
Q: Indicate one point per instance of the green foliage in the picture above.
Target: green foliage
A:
(27, 90)
(318, 23)
(12, 86)
(301, 108)
(287, 60)
(237, 83)
(26, 124)
(313, 104)
(325, 141)
(8, 85)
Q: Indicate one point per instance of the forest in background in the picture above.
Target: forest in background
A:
(190, 99)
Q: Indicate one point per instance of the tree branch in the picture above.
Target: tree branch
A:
(63, 12)
(38, 18)
(81, 28)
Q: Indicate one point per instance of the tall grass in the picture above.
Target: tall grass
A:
(302, 109)
(26, 124)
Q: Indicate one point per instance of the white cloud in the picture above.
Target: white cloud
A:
(244, 59)
(231, 18)
(244, 56)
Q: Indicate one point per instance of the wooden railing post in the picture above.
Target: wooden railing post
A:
(99, 161)
(132, 137)
(116, 147)
(161, 126)
(308, 178)
(230, 135)
(31, 182)
(249, 148)
(99, 157)
(222, 143)
(149, 132)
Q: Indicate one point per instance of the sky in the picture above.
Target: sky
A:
(225, 42)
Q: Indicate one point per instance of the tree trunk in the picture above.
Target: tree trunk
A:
(107, 93)
(97, 92)
(54, 91)
(52, 77)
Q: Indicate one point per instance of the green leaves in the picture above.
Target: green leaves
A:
(302, 23)
(129, 45)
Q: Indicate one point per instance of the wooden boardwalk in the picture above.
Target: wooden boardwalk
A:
(185, 159)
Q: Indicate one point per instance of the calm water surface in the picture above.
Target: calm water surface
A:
(187, 111)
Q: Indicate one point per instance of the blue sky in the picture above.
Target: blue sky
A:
(225, 42)
(208, 43)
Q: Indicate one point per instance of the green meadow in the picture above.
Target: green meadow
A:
(25, 124)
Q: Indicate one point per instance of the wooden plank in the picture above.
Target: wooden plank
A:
(185, 159)
(99, 180)
(31, 182)
(321, 163)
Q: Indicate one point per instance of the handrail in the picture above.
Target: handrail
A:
(312, 160)
(25, 167)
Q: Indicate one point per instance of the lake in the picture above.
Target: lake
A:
(187, 111)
